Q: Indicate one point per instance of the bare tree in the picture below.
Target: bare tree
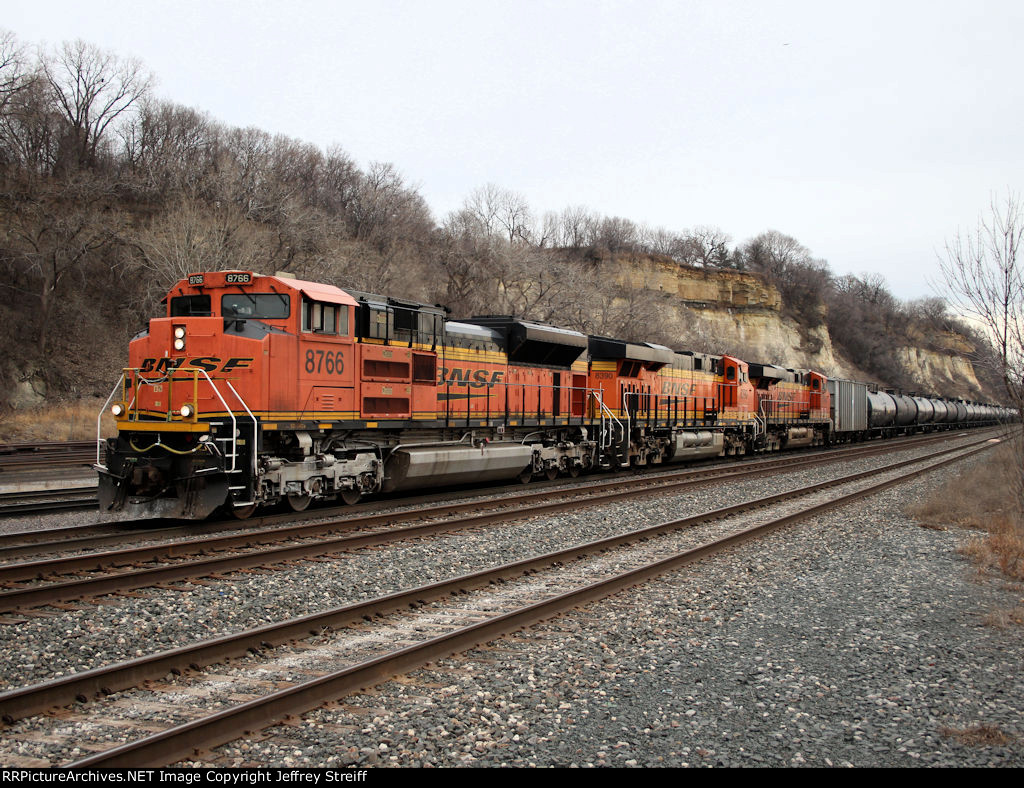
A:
(499, 211)
(53, 232)
(169, 148)
(577, 223)
(774, 254)
(191, 236)
(91, 89)
(30, 128)
(14, 73)
(985, 275)
(709, 245)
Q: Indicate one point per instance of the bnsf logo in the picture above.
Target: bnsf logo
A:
(678, 388)
(475, 378)
(208, 363)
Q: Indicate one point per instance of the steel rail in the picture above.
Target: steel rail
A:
(43, 507)
(133, 555)
(249, 536)
(190, 739)
(35, 699)
(76, 589)
(76, 537)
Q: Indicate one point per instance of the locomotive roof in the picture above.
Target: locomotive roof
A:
(220, 279)
(534, 343)
(607, 347)
(769, 372)
(379, 301)
(477, 332)
(317, 291)
(529, 330)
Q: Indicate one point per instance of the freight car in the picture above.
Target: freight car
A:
(253, 390)
(860, 411)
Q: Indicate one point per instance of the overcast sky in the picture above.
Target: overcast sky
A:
(869, 131)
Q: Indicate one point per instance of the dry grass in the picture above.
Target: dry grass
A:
(1002, 619)
(987, 498)
(978, 736)
(61, 422)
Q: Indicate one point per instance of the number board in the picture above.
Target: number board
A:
(221, 279)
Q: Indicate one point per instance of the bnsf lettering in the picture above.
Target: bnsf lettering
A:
(207, 363)
(474, 378)
(679, 389)
(236, 363)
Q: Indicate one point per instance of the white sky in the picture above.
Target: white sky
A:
(869, 131)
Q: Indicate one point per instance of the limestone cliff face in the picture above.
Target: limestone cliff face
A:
(942, 373)
(735, 313)
(702, 288)
(725, 311)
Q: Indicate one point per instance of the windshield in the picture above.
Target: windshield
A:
(258, 306)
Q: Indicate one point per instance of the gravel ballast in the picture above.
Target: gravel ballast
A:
(855, 639)
(73, 641)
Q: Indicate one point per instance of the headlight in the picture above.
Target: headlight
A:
(186, 411)
(118, 409)
(179, 332)
(179, 344)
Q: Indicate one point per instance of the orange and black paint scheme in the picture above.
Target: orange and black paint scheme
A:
(253, 390)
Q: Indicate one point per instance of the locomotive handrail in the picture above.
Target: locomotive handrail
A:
(169, 378)
(606, 415)
(234, 436)
(99, 420)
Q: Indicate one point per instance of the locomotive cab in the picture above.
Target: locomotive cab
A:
(198, 401)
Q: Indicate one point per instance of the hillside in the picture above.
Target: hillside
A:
(711, 310)
(739, 312)
(99, 219)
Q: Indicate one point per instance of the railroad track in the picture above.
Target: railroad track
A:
(39, 502)
(86, 537)
(20, 456)
(200, 709)
(191, 558)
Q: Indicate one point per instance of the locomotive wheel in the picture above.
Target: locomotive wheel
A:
(574, 470)
(244, 512)
(551, 472)
(299, 503)
(351, 497)
(526, 475)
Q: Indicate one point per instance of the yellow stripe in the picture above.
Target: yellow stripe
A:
(479, 356)
(161, 426)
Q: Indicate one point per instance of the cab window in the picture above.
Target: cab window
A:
(322, 318)
(191, 306)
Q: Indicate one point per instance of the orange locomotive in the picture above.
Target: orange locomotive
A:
(258, 389)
